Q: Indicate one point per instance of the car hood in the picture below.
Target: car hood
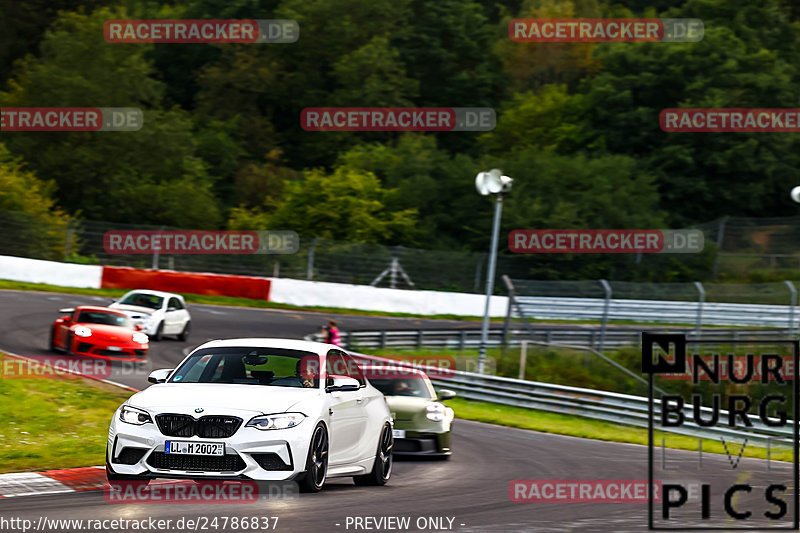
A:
(219, 399)
(107, 332)
(409, 412)
(407, 406)
(133, 309)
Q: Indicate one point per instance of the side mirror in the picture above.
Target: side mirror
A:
(160, 375)
(343, 384)
(445, 394)
(66, 318)
(138, 327)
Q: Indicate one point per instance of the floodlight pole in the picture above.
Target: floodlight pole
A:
(498, 208)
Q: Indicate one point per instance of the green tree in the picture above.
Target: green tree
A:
(344, 205)
(557, 191)
(178, 65)
(447, 46)
(34, 226)
(117, 176)
(22, 25)
(529, 66)
(552, 191)
(550, 119)
(426, 178)
(260, 186)
(349, 63)
(747, 59)
(373, 75)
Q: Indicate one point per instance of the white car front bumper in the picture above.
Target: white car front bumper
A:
(249, 453)
(148, 322)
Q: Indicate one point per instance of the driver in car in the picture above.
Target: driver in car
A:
(402, 389)
(305, 375)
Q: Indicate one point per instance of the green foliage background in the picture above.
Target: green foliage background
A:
(222, 145)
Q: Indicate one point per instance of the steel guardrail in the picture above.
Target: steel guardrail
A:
(461, 339)
(654, 311)
(600, 405)
(606, 406)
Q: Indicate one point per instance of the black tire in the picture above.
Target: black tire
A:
(316, 462)
(159, 332)
(382, 468)
(53, 339)
(185, 333)
(68, 345)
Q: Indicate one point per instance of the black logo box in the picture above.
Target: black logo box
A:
(664, 340)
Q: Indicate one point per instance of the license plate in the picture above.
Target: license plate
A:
(399, 433)
(194, 448)
(115, 348)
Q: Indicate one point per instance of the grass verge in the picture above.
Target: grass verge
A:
(551, 364)
(596, 429)
(63, 423)
(55, 423)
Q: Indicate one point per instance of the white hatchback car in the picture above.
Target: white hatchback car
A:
(160, 313)
(258, 409)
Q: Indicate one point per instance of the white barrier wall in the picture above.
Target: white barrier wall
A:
(364, 297)
(282, 290)
(50, 272)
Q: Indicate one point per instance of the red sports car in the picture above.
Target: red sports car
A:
(99, 332)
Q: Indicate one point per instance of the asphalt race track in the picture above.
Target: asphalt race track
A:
(26, 318)
(472, 488)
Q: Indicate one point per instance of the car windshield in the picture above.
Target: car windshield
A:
(143, 300)
(103, 317)
(251, 366)
(402, 387)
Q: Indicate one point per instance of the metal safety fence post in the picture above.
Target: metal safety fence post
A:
(792, 304)
(606, 305)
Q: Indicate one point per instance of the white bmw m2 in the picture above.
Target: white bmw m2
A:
(257, 409)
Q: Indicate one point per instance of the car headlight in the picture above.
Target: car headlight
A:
(276, 421)
(435, 412)
(141, 338)
(132, 415)
(83, 331)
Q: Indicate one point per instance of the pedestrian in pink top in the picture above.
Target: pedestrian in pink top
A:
(333, 334)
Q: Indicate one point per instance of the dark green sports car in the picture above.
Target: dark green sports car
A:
(422, 424)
